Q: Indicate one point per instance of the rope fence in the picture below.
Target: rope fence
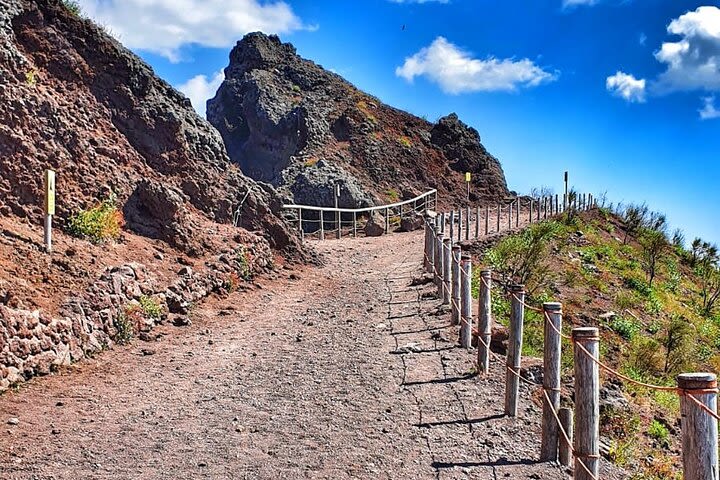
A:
(566, 435)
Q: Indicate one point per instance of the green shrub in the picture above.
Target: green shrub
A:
(638, 285)
(125, 326)
(393, 194)
(404, 141)
(98, 224)
(659, 432)
(244, 261)
(625, 327)
(151, 308)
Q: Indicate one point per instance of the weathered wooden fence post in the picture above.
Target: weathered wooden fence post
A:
(565, 450)
(466, 322)
(387, 220)
(517, 211)
(467, 223)
(438, 263)
(510, 215)
(477, 222)
(557, 204)
(452, 225)
(587, 403)
(485, 321)
(530, 218)
(514, 353)
(498, 217)
(300, 224)
(322, 225)
(354, 224)
(447, 263)
(539, 209)
(456, 285)
(551, 380)
(459, 225)
(428, 237)
(487, 220)
(699, 428)
(442, 223)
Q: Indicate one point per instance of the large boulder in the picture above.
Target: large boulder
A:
(375, 226)
(411, 222)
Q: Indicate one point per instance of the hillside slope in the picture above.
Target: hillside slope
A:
(138, 172)
(287, 121)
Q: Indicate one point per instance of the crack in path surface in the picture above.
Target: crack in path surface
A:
(348, 372)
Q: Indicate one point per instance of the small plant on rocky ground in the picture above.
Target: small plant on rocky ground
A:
(232, 282)
(393, 195)
(151, 308)
(98, 224)
(73, 7)
(31, 77)
(244, 260)
(404, 141)
(126, 324)
(659, 432)
(625, 327)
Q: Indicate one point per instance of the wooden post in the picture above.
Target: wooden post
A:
(498, 217)
(456, 285)
(565, 451)
(510, 215)
(514, 354)
(447, 262)
(435, 204)
(442, 222)
(487, 220)
(387, 220)
(439, 268)
(452, 225)
(466, 322)
(477, 222)
(339, 224)
(587, 403)
(467, 223)
(485, 321)
(426, 254)
(557, 204)
(699, 428)
(531, 211)
(551, 380)
(354, 224)
(322, 225)
(431, 250)
(539, 209)
(49, 208)
(517, 211)
(459, 225)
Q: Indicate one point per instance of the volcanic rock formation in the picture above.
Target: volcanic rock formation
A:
(289, 122)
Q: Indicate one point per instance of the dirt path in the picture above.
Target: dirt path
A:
(345, 373)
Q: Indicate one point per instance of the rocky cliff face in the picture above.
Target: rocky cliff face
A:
(75, 100)
(289, 122)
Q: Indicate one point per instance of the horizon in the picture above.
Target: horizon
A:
(619, 94)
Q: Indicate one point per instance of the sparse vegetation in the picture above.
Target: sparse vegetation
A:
(100, 223)
(392, 194)
(31, 77)
(244, 262)
(404, 141)
(151, 308)
(73, 7)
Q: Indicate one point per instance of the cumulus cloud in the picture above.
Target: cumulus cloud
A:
(626, 86)
(693, 62)
(457, 72)
(164, 26)
(199, 89)
(709, 110)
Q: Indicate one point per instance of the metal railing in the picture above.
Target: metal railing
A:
(353, 218)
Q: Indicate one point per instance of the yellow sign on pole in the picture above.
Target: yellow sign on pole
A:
(467, 176)
(49, 192)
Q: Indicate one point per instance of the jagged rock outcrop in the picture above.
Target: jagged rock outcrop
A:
(75, 100)
(284, 118)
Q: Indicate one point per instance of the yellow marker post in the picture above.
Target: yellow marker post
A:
(49, 207)
(467, 180)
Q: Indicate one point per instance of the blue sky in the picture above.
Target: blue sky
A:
(618, 92)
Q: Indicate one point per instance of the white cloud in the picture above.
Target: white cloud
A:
(709, 111)
(199, 89)
(457, 72)
(626, 86)
(693, 62)
(164, 26)
(576, 3)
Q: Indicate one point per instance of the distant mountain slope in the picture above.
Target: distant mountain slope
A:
(75, 100)
(287, 121)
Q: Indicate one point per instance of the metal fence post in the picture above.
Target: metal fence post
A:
(456, 285)
(447, 259)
